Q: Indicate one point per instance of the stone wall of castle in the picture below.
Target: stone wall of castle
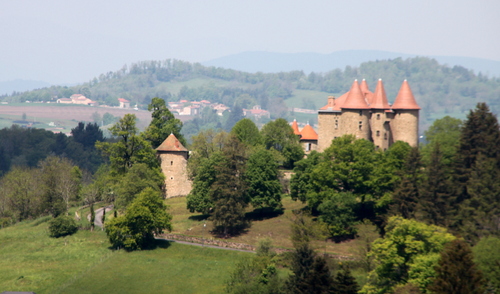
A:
(174, 167)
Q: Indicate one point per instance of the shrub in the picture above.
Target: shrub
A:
(61, 226)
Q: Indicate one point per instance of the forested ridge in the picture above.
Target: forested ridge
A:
(440, 90)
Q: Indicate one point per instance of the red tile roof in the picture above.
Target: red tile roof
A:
(355, 99)
(171, 143)
(331, 103)
(366, 91)
(308, 133)
(405, 98)
(379, 97)
(295, 127)
(123, 100)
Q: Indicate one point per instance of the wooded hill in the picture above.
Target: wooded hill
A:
(440, 90)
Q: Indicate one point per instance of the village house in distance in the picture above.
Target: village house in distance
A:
(367, 115)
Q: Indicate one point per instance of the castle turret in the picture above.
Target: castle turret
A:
(309, 139)
(381, 117)
(295, 127)
(406, 111)
(356, 113)
(173, 156)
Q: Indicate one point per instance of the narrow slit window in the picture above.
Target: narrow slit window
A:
(378, 133)
(360, 125)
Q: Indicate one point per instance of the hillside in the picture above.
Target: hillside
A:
(439, 89)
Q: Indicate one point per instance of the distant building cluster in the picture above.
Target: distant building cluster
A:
(77, 99)
(185, 107)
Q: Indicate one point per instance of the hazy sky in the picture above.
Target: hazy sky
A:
(71, 41)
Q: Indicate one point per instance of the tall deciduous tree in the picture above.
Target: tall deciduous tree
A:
(487, 258)
(278, 134)
(247, 132)
(262, 177)
(163, 123)
(456, 272)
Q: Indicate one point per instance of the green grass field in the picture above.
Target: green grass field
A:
(83, 263)
(276, 227)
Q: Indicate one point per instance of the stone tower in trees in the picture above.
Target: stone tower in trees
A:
(369, 116)
(173, 156)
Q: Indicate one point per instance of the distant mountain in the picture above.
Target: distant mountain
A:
(270, 62)
(20, 86)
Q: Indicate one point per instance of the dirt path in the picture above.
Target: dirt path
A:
(98, 215)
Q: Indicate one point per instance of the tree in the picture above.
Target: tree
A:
(407, 254)
(163, 123)
(130, 148)
(344, 282)
(406, 195)
(229, 190)
(337, 211)
(435, 195)
(279, 135)
(262, 177)
(145, 218)
(247, 132)
(61, 226)
(487, 258)
(87, 134)
(235, 116)
(446, 133)
(456, 272)
(301, 178)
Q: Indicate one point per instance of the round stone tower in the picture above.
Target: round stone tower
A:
(406, 111)
(173, 156)
(356, 114)
(381, 117)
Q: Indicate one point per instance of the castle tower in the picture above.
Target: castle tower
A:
(173, 156)
(308, 139)
(406, 111)
(381, 117)
(295, 127)
(356, 114)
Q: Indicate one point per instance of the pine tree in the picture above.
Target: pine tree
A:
(456, 272)
(92, 217)
(310, 272)
(435, 195)
(344, 282)
(406, 195)
(480, 135)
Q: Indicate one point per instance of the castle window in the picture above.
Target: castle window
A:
(336, 124)
(378, 115)
(360, 125)
(171, 178)
(385, 136)
(171, 163)
(360, 112)
(377, 147)
(378, 133)
(308, 147)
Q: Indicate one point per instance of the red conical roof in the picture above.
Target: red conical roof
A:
(171, 143)
(355, 99)
(295, 127)
(366, 91)
(405, 99)
(308, 133)
(380, 98)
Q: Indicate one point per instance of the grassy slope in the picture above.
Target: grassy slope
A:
(277, 228)
(83, 263)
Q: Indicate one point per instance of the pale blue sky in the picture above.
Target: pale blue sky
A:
(71, 41)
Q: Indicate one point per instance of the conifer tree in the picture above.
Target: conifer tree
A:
(406, 195)
(480, 135)
(456, 272)
(344, 282)
(435, 195)
(92, 217)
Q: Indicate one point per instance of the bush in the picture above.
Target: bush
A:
(62, 226)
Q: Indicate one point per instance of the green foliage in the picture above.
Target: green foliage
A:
(406, 254)
(279, 135)
(366, 234)
(130, 148)
(446, 133)
(337, 212)
(163, 124)
(247, 132)
(487, 258)
(262, 177)
(62, 226)
(406, 195)
(456, 272)
(200, 197)
(145, 218)
(344, 282)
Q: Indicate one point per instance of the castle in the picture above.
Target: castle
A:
(366, 115)
(360, 112)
